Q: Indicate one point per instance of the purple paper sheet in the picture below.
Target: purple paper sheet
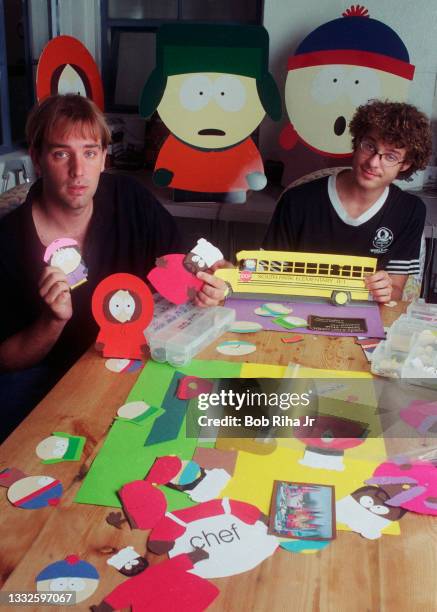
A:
(245, 312)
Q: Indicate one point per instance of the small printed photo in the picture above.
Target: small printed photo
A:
(303, 510)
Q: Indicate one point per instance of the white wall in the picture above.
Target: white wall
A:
(289, 21)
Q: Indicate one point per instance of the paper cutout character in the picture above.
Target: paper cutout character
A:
(337, 67)
(170, 585)
(366, 512)
(64, 253)
(128, 562)
(66, 66)
(232, 532)
(412, 485)
(72, 574)
(211, 88)
(122, 306)
(30, 492)
(174, 276)
(60, 447)
(327, 439)
(143, 503)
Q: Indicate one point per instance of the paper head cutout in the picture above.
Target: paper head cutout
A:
(211, 87)
(72, 574)
(60, 447)
(366, 512)
(64, 253)
(128, 562)
(66, 66)
(136, 412)
(340, 65)
(31, 492)
(122, 306)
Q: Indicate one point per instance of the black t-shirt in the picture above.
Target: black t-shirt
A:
(128, 230)
(306, 221)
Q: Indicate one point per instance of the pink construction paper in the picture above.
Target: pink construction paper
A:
(245, 312)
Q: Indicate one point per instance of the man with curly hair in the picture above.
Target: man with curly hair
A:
(360, 211)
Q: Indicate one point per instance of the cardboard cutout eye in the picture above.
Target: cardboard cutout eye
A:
(328, 84)
(229, 93)
(362, 84)
(366, 501)
(380, 510)
(196, 92)
(59, 584)
(70, 81)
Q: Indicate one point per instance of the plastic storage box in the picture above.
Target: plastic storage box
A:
(178, 333)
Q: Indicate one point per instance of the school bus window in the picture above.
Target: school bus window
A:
(275, 266)
(263, 265)
(299, 267)
(369, 270)
(335, 270)
(346, 271)
(287, 266)
(323, 268)
(312, 268)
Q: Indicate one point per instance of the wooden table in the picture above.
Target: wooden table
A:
(352, 573)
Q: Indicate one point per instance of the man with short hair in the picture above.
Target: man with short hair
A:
(117, 224)
(359, 211)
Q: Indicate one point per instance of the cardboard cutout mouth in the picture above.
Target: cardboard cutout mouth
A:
(339, 126)
(211, 132)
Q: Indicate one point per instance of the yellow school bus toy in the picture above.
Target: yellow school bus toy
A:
(261, 273)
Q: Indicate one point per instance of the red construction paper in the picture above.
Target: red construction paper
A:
(58, 53)
(166, 587)
(143, 504)
(164, 469)
(171, 279)
(192, 386)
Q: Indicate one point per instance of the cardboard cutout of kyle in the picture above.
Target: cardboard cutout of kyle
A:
(339, 66)
(211, 88)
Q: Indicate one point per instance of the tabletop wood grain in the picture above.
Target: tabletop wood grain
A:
(394, 573)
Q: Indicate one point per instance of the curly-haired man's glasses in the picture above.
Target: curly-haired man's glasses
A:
(387, 159)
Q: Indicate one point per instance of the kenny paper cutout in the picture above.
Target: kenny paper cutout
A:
(72, 574)
(66, 66)
(366, 512)
(211, 87)
(30, 492)
(174, 276)
(64, 254)
(122, 306)
(338, 66)
(303, 510)
(60, 447)
(168, 585)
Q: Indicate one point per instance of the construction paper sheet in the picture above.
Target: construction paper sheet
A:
(245, 311)
(167, 426)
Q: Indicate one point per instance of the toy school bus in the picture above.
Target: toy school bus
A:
(337, 277)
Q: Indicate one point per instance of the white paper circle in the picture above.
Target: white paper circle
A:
(245, 327)
(238, 347)
(131, 410)
(116, 365)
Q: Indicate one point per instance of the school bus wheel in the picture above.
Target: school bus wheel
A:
(340, 298)
(228, 290)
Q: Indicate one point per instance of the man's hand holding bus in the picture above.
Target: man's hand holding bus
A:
(385, 287)
(215, 289)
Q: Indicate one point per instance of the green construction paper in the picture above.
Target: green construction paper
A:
(123, 456)
(141, 417)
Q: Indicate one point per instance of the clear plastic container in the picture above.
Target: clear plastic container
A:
(422, 358)
(178, 333)
(386, 361)
(419, 309)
